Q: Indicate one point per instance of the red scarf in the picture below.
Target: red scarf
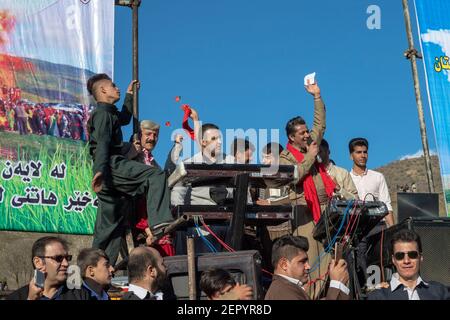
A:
(309, 188)
(187, 112)
(148, 158)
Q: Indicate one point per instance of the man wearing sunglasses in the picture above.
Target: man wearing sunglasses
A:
(407, 283)
(49, 256)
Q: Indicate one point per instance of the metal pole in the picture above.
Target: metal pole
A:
(412, 54)
(191, 269)
(135, 7)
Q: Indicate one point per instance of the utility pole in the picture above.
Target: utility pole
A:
(411, 54)
(134, 5)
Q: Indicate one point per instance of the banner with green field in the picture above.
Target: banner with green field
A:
(48, 50)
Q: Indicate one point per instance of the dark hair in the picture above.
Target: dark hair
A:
(267, 149)
(239, 143)
(214, 280)
(288, 247)
(358, 142)
(39, 246)
(324, 144)
(290, 126)
(405, 235)
(208, 126)
(90, 257)
(96, 77)
(138, 264)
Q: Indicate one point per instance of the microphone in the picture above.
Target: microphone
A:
(309, 141)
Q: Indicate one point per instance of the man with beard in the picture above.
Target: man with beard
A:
(146, 275)
(96, 272)
(50, 256)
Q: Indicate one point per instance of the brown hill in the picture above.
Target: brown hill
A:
(402, 173)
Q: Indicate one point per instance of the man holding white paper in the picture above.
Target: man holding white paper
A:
(311, 194)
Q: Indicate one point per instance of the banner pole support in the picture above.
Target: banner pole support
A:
(412, 54)
(134, 5)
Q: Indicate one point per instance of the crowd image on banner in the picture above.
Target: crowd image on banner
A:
(54, 119)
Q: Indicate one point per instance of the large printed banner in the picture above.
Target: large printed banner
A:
(48, 50)
(434, 31)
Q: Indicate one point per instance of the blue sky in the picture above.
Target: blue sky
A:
(241, 65)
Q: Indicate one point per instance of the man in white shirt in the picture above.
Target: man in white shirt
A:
(210, 142)
(371, 185)
(211, 153)
(291, 265)
(146, 274)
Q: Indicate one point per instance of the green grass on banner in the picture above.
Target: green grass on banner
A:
(50, 151)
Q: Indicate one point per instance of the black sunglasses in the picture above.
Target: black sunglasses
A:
(401, 255)
(59, 258)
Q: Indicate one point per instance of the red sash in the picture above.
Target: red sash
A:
(185, 125)
(309, 188)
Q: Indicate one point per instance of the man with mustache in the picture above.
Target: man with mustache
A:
(50, 256)
(310, 195)
(143, 145)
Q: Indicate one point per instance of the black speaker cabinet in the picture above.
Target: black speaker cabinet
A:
(435, 236)
(417, 205)
(244, 266)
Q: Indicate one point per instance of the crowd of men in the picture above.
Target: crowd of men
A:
(132, 188)
(26, 117)
(148, 280)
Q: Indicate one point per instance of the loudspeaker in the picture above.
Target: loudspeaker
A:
(244, 266)
(417, 205)
(435, 237)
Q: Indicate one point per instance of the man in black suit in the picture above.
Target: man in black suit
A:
(407, 284)
(50, 256)
(146, 274)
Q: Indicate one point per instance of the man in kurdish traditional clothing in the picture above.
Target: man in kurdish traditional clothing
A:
(115, 175)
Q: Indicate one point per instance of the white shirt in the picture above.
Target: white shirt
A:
(333, 284)
(412, 293)
(292, 280)
(372, 182)
(142, 293)
(198, 195)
